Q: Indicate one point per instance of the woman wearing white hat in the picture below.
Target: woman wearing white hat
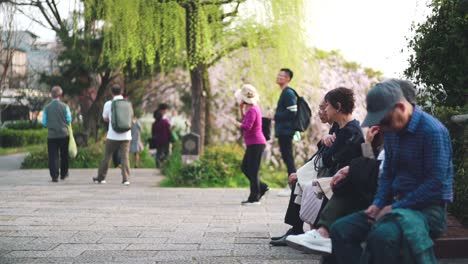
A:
(254, 139)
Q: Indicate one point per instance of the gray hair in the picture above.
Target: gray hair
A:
(56, 91)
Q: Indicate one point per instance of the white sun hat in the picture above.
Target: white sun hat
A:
(248, 94)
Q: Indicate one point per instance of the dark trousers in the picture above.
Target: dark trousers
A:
(286, 149)
(292, 214)
(337, 207)
(57, 148)
(383, 243)
(162, 152)
(250, 167)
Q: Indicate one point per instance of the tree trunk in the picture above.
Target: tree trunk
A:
(208, 117)
(92, 118)
(196, 73)
(198, 105)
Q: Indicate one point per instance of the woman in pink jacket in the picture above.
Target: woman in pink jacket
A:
(254, 140)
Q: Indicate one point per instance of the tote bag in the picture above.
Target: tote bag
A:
(72, 148)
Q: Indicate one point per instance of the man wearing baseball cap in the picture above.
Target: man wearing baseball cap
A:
(409, 208)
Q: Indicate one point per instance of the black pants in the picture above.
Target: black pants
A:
(162, 152)
(58, 148)
(250, 167)
(286, 149)
(292, 214)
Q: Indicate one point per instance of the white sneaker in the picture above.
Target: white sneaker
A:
(310, 242)
(126, 183)
(286, 192)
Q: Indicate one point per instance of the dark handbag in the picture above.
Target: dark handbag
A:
(266, 127)
(151, 143)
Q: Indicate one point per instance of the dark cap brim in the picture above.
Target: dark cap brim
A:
(374, 118)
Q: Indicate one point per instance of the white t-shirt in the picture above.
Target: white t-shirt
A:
(106, 113)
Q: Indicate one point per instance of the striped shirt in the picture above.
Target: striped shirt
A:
(418, 168)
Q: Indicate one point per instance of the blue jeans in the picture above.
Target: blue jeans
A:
(384, 244)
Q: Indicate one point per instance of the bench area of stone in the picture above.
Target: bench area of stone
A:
(76, 221)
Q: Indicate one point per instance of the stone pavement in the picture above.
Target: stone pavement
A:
(76, 221)
(11, 162)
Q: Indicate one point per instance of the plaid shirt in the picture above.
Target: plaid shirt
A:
(418, 168)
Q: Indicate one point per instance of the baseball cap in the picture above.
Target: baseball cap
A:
(380, 101)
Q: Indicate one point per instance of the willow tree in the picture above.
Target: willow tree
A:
(196, 33)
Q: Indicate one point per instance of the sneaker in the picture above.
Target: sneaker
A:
(250, 202)
(96, 180)
(286, 192)
(63, 177)
(310, 242)
(54, 180)
(126, 183)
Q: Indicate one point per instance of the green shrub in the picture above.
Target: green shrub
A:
(458, 132)
(218, 167)
(19, 138)
(88, 157)
(24, 125)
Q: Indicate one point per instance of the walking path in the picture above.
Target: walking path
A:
(76, 221)
(11, 162)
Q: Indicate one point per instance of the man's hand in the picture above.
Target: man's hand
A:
(328, 140)
(384, 210)
(371, 132)
(292, 179)
(372, 211)
(340, 175)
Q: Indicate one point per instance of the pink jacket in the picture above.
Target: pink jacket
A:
(252, 127)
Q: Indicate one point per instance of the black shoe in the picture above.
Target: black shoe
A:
(54, 180)
(64, 177)
(97, 180)
(263, 192)
(250, 202)
(289, 232)
(280, 242)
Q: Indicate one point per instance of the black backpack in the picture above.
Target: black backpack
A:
(302, 121)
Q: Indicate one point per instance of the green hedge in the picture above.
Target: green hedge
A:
(19, 138)
(458, 134)
(88, 157)
(24, 125)
(218, 167)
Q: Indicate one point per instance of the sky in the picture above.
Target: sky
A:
(372, 33)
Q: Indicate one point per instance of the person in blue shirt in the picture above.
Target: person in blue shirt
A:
(56, 117)
(409, 208)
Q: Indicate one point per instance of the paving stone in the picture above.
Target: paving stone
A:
(163, 247)
(76, 221)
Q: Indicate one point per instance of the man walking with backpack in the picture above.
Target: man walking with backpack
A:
(285, 115)
(119, 114)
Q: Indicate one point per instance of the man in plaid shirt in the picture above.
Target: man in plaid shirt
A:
(409, 207)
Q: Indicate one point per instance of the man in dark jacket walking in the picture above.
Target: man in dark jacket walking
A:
(285, 114)
(56, 116)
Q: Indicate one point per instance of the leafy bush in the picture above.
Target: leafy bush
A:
(18, 138)
(458, 132)
(218, 167)
(23, 125)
